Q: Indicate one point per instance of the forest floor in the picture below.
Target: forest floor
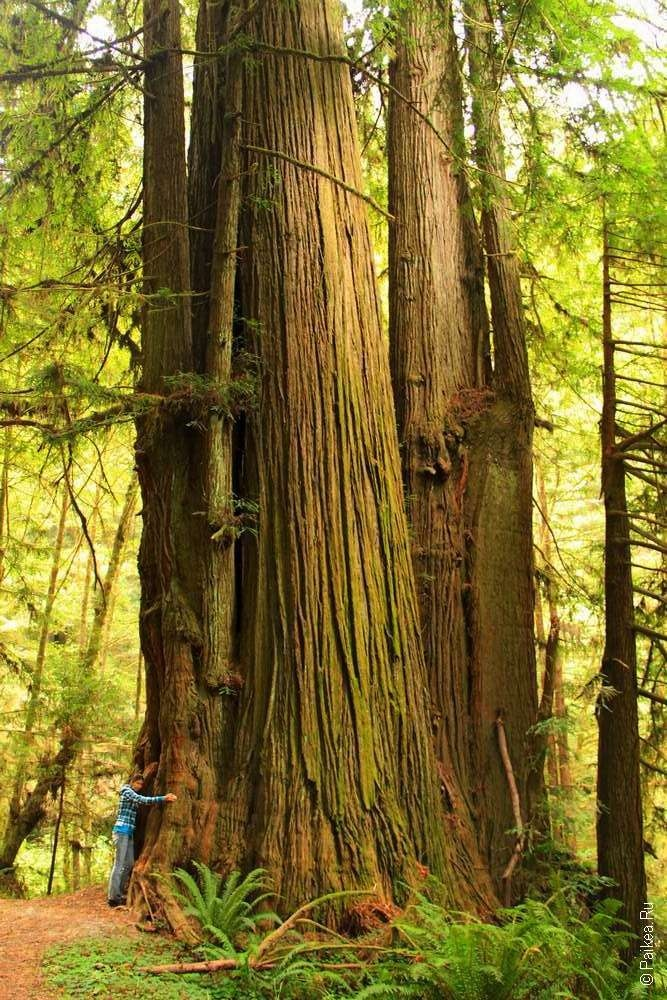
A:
(28, 928)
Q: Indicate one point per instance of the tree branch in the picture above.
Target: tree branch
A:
(516, 809)
(322, 173)
(652, 696)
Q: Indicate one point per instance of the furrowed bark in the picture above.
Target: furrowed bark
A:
(336, 785)
(182, 713)
(438, 334)
(499, 499)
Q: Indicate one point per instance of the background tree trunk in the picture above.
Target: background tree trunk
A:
(25, 813)
(14, 834)
(500, 482)
(4, 499)
(620, 836)
(438, 333)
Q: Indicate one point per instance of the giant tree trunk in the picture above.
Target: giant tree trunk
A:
(438, 333)
(499, 498)
(335, 782)
(620, 837)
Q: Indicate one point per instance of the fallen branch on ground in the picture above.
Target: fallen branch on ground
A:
(262, 959)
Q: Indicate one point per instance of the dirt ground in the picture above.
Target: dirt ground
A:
(29, 927)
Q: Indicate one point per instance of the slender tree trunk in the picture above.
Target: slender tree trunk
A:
(543, 742)
(438, 333)
(620, 836)
(87, 864)
(75, 847)
(29, 811)
(558, 754)
(88, 582)
(562, 740)
(78, 830)
(13, 836)
(499, 497)
(67, 860)
(334, 784)
(56, 835)
(40, 659)
(541, 639)
(4, 499)
(104, 598)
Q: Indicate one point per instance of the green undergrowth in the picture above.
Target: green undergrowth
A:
(537, 951)
(111, 967)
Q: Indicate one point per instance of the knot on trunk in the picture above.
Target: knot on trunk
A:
(433, 458)
(179, 618)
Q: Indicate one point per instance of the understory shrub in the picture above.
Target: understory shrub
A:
(539, 950)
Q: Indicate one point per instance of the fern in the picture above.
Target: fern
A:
(536, 951)
(224, 911)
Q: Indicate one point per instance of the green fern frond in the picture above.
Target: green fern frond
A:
(224, 910)
(210, 883)
(194, 897)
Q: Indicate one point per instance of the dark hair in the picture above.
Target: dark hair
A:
(137, 776)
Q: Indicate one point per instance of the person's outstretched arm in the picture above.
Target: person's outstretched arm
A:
(148, 799)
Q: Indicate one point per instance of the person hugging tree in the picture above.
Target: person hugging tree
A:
(123, 834)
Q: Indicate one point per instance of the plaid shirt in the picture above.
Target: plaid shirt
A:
(127, 809)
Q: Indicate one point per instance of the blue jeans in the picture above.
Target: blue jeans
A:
(122, 867)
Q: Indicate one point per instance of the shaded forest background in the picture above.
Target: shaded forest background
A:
(580, 99)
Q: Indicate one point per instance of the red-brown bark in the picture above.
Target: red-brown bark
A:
(334, 784)
(499, 499)
(438, 334)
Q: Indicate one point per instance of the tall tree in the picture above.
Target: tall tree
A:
(183, 715)
(620, 836)
(438, 335)
(16, 828)
(499, 500)
(334, 783)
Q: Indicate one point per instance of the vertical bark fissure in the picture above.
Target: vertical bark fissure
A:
(336, 783)
(437, 333)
